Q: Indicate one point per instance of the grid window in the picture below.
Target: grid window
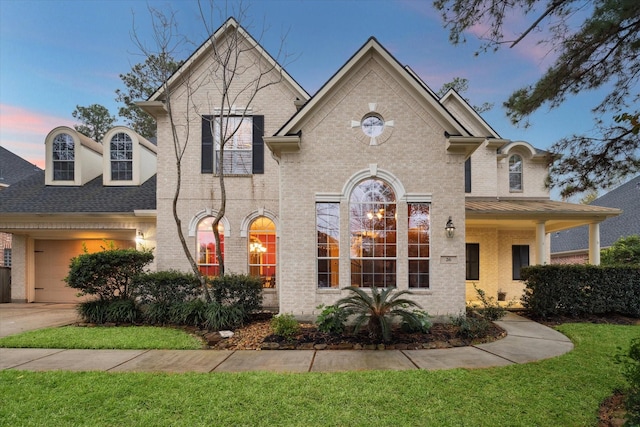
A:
(7, 257)
(515, 173)
(419, 242)
(237, 157)
(121, 156)
(206, 247)
(63, 155)
(328, 235)
(372, 219)
(262, 251)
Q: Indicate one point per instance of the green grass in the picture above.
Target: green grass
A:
(139, 338)
(564, 391)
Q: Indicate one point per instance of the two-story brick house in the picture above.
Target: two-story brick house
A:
(372, 181)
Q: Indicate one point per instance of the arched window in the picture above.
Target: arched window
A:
(515, 173)
(121, 156)
(372, 219)
(262, 250)
(206, 247)
(63, 155)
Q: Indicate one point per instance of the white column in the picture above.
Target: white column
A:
(594, 243)
(540, 243)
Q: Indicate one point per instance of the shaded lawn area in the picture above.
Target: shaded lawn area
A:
(563, 391)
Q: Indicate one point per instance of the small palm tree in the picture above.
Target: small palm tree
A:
(377, 310)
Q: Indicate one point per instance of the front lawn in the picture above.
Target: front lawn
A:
(137, 338)
(563, 391)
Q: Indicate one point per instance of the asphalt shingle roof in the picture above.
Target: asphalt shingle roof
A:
(625, 197)
(14, 168)
(31, 195)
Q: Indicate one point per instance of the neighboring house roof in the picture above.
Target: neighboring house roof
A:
(14, 168)
(627, 198)
(31, 196)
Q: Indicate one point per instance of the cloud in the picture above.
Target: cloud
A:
(23, 131)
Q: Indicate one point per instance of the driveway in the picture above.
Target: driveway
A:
(16, 318)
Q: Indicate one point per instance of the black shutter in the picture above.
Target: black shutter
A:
(258, 144)
(206, 161)
(467, 176)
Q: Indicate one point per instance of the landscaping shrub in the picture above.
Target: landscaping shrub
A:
(423, 324)
(578, 290)
(332, 319)
(625, 251)
(239, 290)
(190, 313)
(107, 274)
(285, 325)
(490, 309)
(94, 311)
(123, 311)
(471, 327)
(219, 317)
(378, 310)
(166, 287)
(631, 370)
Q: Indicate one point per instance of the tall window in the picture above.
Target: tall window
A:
(473, 261)
(328, 232)
(7, 257)
(372, 219)
(63, 155)
(520, 258)
(262, 251)
(515, 173)
(238, 140)
(206, 247)
(418, 245)
(121, 149)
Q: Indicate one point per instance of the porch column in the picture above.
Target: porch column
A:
(594, 243)
(540, 243)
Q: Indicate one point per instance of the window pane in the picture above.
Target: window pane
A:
(419, 244)
(63, 155)
(515, 173)
(121, 155)
(328, 251)
(520, 258)
(473, 261)
(206, 247)
(262, 251)
(236, 134)
(373, 234)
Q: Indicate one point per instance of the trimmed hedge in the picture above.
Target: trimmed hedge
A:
(578, 290)
(239, 290)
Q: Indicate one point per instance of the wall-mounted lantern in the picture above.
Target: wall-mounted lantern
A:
(450, 229)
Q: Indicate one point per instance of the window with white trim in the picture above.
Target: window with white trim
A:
(419, 242)
(515, 173)
(207, 259)
(262, 251)
(63, 155)
(372, 219)
(121, 157)
(328, 240)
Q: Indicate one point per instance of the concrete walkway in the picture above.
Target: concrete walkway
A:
(526, 342)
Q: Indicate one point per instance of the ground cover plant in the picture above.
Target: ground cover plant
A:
(563, 391)
(138, 338)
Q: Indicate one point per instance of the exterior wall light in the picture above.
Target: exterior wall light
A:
(450, 229)
(139, 237)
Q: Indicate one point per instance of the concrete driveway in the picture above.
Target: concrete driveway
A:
(16, 318)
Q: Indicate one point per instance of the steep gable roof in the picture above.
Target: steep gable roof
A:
(627, 198)
(373, 47)
(466, 114)
(230, 25)
(14, 168)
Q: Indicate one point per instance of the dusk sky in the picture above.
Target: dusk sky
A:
(55, 55)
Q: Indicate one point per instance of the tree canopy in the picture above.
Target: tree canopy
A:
(141, 82)
(95, 121)
(603, 51)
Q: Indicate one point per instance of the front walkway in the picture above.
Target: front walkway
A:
(526, 341)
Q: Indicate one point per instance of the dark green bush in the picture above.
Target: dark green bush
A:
(219, 317)
(107, 274)
(471, 327)
(421, 323)
(166, 287)
(94, 311)
(238, 290)
(625, 251)
(332, 319)
(190, 313)
(631, 370)
(578, 290)
(123, 311)
(158, 313)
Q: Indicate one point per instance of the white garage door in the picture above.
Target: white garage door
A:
(52, 258)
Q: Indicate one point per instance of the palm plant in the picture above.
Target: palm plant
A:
(378, 310)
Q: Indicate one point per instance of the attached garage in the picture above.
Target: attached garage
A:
(52, 257)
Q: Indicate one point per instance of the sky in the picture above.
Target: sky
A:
(56, 55)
